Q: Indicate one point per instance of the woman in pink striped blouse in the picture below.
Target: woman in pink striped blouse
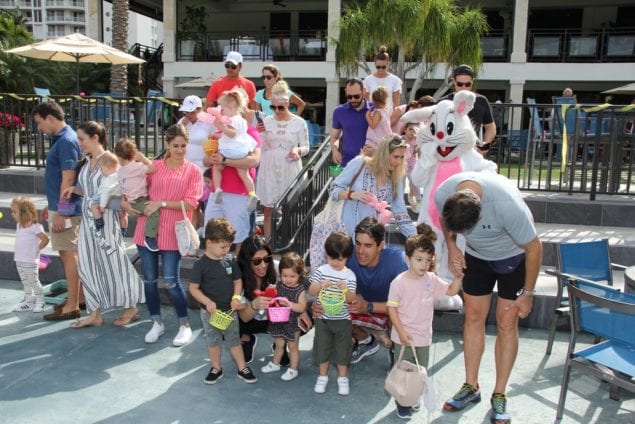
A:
(175, 180)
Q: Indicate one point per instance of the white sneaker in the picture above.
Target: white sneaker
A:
(218, 196)
(155, 332)
(289, 375)
(253, 203)
(270, 367)
(320, 384)
(24, 306)
(343, 388)
(39, 306)
(183, 336)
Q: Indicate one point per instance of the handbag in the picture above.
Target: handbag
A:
(326, 222)
(405, 380)
(186, 236)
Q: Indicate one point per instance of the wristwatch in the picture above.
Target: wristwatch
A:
(164, 204)
(224, 161)
(370, 307)
(525, 292)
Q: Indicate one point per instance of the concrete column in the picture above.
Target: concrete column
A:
(94, 21)
(334, 13)
(515, 90)
(521, 14)
(168, 86)
(169, 31)
(332, 80)
(332, 100)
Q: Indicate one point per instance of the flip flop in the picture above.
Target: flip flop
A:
(86, 323)
(122, 321)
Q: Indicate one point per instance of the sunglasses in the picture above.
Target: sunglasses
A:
(381, 67)
(258, 261)
(230, 65)
(354, 96)
(267, 77)
(463, 84)
(280, 108)
(397, 142)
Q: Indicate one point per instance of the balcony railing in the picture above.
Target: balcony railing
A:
(254, 46)
(574, 45)
(65, 3)
(496, 46)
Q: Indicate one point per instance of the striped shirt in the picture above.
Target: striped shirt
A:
(326, 272)
(165, 184)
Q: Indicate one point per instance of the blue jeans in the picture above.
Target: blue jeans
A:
(171, 261)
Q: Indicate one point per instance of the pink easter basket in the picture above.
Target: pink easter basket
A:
(279, 313)
(45, 261)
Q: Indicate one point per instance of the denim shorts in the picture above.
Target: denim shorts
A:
(216, 337)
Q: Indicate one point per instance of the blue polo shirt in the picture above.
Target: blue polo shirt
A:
(373, 283)
(63, 155)
(353, 124)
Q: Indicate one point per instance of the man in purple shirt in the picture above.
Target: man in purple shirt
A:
(350, 119)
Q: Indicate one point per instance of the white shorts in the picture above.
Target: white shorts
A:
(234, 208)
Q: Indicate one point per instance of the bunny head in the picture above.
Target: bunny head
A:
(447, 125)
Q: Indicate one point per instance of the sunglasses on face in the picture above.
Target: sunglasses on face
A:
(464, 84)
(280, 108)
(258, 261)
(267, 77)
(230, 65)
(381, 67)
(354, 96)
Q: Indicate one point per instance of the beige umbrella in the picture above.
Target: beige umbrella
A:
(624, 89)
(75, 48)
(197, 82)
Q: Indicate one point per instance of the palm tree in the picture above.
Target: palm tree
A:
(423, 32)
(119, 73)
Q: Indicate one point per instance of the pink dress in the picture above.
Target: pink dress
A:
(375, 135)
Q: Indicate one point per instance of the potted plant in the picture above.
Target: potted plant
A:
(192, 28)
(10, 126)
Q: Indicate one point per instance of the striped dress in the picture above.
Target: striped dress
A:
(165, 184)
(107, 275)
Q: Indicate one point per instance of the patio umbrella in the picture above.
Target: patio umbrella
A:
(77, 48)
(200, 82)
(624, 89)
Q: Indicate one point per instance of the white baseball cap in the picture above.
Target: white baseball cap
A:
(190, 104)
(234, 57)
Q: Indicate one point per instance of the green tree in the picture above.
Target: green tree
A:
(119, 73)
(424, 33)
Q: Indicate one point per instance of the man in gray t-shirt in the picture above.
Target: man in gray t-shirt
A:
(502, 247)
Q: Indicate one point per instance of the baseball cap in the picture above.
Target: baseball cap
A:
(234, 57)
(463, 70)
(190, 103)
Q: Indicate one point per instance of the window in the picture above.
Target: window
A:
(583, 46)
(620, 45)
(546, 46)
(493, 46)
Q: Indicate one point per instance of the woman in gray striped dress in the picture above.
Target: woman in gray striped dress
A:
(107, 275)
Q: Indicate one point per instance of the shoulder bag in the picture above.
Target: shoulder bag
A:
(186, 236)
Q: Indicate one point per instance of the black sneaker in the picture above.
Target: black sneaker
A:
(364, 350)
(247, 376)
(249, 347)
(214, 375)
(151, 244)
(404, 412)
(99, 224)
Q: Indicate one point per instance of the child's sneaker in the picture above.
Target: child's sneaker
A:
(465, 395)
(247, 376)
(320, 384)
(253, 203)
(24, 306)
(218, 196)
(39, 306)
(270, 367)
(404, 412)
(343, 387)
(151, 244)
(289, 375)
(213, 376)
(499, 404)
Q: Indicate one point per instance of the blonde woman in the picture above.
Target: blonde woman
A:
(382, 179)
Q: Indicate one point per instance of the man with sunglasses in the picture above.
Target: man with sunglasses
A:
(233, 66)
(349, 118)
(481, 115)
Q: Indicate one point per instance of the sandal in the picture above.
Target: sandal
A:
(87, 322)
(123, 320)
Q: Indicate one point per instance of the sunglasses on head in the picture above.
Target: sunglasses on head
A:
(354, 96)
(258, 261)
(280, 108)
(230, 65)
(397, 142)
(381, 67)
(267, 77)
(463, 84)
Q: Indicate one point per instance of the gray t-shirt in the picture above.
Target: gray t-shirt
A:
(506, 223)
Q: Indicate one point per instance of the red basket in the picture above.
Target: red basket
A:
(279, 313)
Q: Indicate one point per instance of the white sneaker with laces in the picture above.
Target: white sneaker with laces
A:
(24, 306)
(343, 387)
(320, 384)
(289, 375)
(183, 336)
(270, 367)
(155, 332)
(39, 306)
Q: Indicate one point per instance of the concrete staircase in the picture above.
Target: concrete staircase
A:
(559, 218)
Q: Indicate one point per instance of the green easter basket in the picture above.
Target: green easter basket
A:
(332, 301)
(221, 320)
(335, 170)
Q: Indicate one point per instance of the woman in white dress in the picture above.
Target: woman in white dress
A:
(286, 140)
(108, 277)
